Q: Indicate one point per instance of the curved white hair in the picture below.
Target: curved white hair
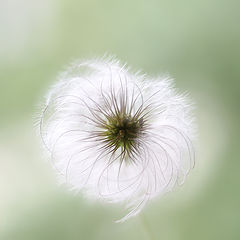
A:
(86, 94)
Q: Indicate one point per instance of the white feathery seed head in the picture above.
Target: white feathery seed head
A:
(116, 135)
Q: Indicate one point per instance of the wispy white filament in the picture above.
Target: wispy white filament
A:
(73, 128)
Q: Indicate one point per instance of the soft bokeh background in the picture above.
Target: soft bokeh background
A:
(197, 42)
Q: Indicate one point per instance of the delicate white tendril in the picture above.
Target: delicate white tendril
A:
(115, 135)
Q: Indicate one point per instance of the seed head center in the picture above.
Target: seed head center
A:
(122, 131)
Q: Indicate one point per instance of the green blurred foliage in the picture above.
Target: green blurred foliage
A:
(196, 42)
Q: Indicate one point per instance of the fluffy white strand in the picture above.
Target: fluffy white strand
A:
(82, 100)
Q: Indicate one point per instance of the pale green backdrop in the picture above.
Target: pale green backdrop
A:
(196, 42)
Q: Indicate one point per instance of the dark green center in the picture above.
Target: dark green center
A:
(122, 131)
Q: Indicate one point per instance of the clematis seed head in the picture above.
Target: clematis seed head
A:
(117, 136)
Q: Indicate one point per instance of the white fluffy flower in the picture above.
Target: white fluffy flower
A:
(115, 135)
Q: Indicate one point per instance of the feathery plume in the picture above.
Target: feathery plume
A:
(116, 135)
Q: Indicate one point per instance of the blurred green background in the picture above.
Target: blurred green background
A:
(196, 42)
